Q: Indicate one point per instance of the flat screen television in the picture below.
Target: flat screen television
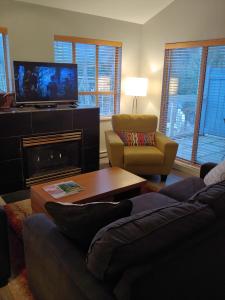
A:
(38, 82)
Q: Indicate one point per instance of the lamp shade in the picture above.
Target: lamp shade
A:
(136, 86)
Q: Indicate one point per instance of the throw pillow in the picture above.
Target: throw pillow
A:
(137, 138)
(134, 239)
(214, 196)
(80, 222)
(216, 175)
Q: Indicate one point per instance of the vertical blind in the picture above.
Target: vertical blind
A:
(4, 62)
(99, 70)
(193, 99)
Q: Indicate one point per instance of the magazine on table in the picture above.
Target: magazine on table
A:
(62, 189)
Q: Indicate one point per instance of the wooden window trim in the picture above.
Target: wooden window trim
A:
(82, 40)
(204, 44)
(192, 44)
(199, 103)
(97, 43)
(3, 30)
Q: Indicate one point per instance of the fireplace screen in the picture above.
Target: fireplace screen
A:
(52, 156)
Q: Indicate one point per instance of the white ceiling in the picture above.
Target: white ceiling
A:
(136, 11)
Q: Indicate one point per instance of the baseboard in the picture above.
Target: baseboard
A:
(186, 168)
(103, 154)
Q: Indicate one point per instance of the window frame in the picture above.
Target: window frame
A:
(116, 92)
(4, 32)
(204, 44)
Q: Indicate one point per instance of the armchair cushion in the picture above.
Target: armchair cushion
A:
(137, 138)
(140, 123)
(142, 155)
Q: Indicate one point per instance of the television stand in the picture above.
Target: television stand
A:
(40, 106)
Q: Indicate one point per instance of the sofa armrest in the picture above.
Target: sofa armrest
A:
(168, 147)
(115, 148)
(4, 249)
(205, 168)
(55, 266)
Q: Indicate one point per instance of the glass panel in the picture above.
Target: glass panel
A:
(3, 83)
(87, 100)
(211, 146)
(106, 68)
(63, 52)
(86, 61)
(183, 81)
(106, 104)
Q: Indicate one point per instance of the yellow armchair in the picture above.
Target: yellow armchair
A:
(142, 160)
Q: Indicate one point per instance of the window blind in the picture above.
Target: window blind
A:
(99, 70)
(193, 99)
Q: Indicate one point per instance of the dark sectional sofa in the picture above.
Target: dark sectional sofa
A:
(192, 267)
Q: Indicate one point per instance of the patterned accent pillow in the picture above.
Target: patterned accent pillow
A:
(137, 138)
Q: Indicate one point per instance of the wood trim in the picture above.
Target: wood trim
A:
(165, 90)
(82, 40)
(74, 52)
(97, 93)
(116, 79)
(96, 73)
(3, 30)
(204, 43)
(199, 103)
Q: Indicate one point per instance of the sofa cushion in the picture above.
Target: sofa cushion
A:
(131, 240)
(151, 201)
(183, 189)
(217, 174)
(137, 138)
(214, 196)
(142, 155)
(80, 222)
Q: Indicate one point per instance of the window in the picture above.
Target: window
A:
(99, 70)
(4, 61)
(193, 99)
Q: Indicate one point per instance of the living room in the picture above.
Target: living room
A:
(177, 47)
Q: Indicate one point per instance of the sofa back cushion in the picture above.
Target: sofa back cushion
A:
(132, 240)
(134, 123)
(214, 196)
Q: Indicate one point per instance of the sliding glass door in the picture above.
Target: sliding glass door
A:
(211, 145)
(193, 100)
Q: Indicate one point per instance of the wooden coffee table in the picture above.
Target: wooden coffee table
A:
(103, 185)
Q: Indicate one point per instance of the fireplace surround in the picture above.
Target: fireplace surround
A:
(17, 124)
(47, 157)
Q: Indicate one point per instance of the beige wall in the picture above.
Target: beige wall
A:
(183, 20)
(31, 29)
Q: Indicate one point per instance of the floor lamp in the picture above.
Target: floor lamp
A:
(136, 87)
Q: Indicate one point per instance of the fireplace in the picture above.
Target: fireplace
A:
(52, 156)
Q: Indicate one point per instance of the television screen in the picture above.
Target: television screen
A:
(45, 82)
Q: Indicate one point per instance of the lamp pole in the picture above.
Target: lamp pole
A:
(134, 105)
